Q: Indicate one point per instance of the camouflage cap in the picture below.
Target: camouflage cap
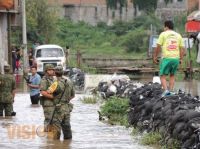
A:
(58, 69)
(48, 67)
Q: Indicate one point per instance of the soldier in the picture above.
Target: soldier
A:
(7, 92)
(61, 93)
(47, 104)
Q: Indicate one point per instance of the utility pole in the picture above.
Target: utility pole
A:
(9, 32)
(24, 37)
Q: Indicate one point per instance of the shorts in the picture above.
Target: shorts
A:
(169, 66)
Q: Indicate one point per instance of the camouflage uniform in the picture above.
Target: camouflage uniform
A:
(61, 120)
(47, 104)
(7, 85)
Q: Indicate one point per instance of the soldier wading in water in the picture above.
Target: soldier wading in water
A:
(60, 92)
(47, 104)
(7, 92)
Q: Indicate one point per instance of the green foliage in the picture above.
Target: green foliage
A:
(89, 100)
(80, 35)
(168, 1)
(41, 21)
(113, 3)
(116, 110)
(151, 138)
(121, 28)
(135, 131)
(173, 144)
(16, 37)
(179, 23)
(155, 139)
(135, 41)
(150, 19)
(148, 6)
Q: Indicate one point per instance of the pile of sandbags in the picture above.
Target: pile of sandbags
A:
(120, 86)
(77, 76)
(175, 116)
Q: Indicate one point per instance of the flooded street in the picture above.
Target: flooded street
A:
(25, 129)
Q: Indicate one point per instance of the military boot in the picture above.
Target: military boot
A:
(67, 132)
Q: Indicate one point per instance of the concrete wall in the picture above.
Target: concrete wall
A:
(96, 13)
(168, 11)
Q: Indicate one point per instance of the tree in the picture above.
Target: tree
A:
(41, 21)
(148, 6)
(113, 5)
(168, 1)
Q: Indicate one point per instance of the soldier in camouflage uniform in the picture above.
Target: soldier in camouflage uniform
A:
(7, 92)
(48, 105)
(61, 96)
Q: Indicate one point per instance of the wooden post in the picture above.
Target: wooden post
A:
(78, 59)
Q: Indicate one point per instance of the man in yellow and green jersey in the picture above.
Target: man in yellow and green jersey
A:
(171, 46)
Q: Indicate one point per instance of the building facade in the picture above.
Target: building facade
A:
(94, 11)
(8, 18)
(175, 8)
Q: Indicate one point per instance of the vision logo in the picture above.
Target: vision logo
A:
(25, 131)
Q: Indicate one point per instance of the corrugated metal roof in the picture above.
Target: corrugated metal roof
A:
(195, 15)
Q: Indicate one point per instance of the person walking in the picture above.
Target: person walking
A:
(61, 92)
(67, 52)
(30, 57)
(34, 85)
(171, 46)
(7, 92)
(47, 104)
(18, 54)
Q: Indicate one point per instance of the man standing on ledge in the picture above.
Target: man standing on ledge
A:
(171, 46)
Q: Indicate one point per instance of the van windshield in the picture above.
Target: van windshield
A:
(49, 52)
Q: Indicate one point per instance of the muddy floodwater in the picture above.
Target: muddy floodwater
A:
(25, 129)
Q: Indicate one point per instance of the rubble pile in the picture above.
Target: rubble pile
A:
(118, 86)
(77, 77)
(175, 116)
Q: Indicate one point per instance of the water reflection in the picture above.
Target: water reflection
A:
(189, 86)
(21, 84)
(192, 87)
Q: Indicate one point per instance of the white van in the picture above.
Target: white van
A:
(49, 54)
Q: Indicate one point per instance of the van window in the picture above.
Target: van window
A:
(50, 52)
